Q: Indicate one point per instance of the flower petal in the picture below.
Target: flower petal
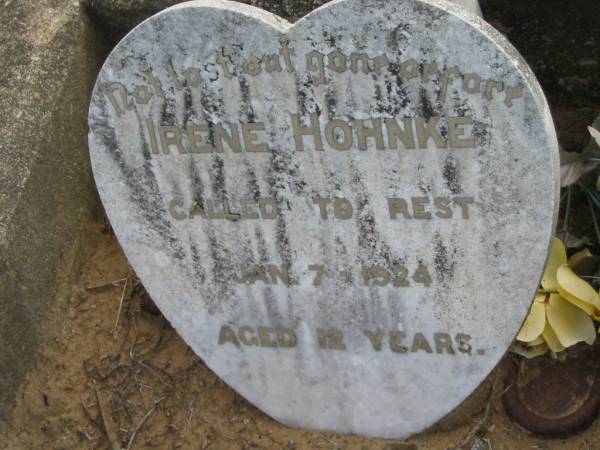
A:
(570, 323)
(557, 257)
(577, 291)
(527, 351)
(538, 341)
(552, 339)
(578, 257)
(595, 133)
(534, 324)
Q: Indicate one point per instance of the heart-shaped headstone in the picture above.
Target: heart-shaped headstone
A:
(346, 217)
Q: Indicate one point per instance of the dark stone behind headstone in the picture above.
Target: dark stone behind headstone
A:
(560, 40)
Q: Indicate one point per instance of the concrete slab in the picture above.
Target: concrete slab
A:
(50, 54)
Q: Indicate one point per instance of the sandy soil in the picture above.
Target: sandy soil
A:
(129, 378)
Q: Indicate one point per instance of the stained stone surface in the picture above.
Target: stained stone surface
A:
(347, 217)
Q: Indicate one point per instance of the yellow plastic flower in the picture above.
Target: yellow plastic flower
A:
(562, 311)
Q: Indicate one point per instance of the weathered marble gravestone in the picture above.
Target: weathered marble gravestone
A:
(346, 217)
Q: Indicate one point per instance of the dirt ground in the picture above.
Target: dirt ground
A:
(122, 374)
